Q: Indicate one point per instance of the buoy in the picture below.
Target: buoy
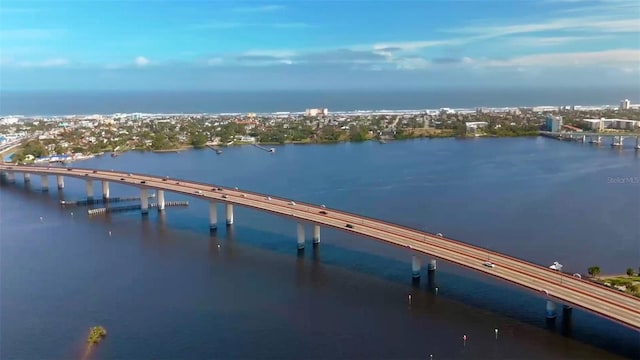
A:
(41, 218)
(72, 213)
(496, 331)
(109, 233)
(464, 339)
(409, 299)
(436, 291)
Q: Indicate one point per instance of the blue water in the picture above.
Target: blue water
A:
(164, 289)
(104, 102)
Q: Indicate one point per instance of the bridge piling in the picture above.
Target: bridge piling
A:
(551, 310)
(415, 267)
(144, 202)
(60, 179)
(105, 189)
(637, 143)
(300, 236)
(160, 196)
(89, 187)
(229, 214)
(11, 177)
(45, 182)
(27, 177)
(213, 216)
(316, 234)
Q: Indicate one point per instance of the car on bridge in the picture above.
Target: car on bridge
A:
(291, 203)
(349, 226)
(198, 192)
(489, 264)
(323, 212)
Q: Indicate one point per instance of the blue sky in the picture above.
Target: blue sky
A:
(313, 44)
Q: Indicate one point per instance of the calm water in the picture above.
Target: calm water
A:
(165, 288)
(105, 102)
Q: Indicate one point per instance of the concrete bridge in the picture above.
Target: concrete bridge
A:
(557, 287)
(617, 139)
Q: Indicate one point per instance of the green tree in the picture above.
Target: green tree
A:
(630, 272)
(594, 271)
(199, 139)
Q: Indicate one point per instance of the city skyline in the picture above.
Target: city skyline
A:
(223, 45)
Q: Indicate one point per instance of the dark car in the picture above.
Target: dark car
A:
(164, 179)
(122, 179)
(69, 169)
(86, 174)
(143, 182)
(95, 171)
(323, 212)
(220, 189)
(349, 226)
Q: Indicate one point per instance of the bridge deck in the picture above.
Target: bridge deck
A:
(609, 303)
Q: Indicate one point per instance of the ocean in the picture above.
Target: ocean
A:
(109, 102)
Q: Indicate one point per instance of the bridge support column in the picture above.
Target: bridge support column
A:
(11, 177)
(105, 189)
(432, 266)
(60, 179)
(316, 234)
(300, 236)
(160, 196)
(566, 312)
(213, 216)
(45, 182)
(637, 142)
(415, 267)
(27, 177)
(144, 202)
(584, 139)
(551, 310)
(229, 214)
(89, 187)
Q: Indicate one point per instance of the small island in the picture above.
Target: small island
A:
(628, 283)
(96, 333)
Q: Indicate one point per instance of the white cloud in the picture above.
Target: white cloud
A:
(529, 41)
(141, 61)
(610, 58)
(411, 45)
(54, 62)
(573, 24)
(412, 63)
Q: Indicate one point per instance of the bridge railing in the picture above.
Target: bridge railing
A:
(388, 223)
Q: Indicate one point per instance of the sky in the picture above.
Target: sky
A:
(315, 44)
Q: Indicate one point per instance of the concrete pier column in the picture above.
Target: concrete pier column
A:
(551, 310)
(300, 236)
(213, 216)
(89, 187)
(415, 267)
(432, 265)
(566, 312)
(144, 202)
(45, 183)
(160, 196)
(584, 138)
(637, 142)
(105, 189)
(599, 139)
(60, 180)
(11, 177)
(316, 234)
(27, 177)
(229, 214)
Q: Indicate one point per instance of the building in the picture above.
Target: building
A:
(602, 124)
(553, 123)
(625, 104)
(317, 112)
(475, 125)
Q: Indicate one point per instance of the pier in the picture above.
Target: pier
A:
(133, 207)
(100, 201)
(271, 150)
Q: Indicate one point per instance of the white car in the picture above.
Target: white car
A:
(268, 197)
(198, 192)
(489, 264)
(291, 203)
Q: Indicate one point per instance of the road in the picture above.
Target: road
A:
(606, 302)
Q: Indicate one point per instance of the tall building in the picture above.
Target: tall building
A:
(625, 104)
(553, 123)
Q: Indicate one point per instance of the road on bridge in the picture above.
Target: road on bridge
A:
(606, 302)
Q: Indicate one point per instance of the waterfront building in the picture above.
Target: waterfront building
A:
(625, 104)
(553, 123)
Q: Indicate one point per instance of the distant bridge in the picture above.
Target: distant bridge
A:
(556, 286)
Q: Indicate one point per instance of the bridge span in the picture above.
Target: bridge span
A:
(557, 287)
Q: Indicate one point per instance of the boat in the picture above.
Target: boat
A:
(113, 154)
(218, 151)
